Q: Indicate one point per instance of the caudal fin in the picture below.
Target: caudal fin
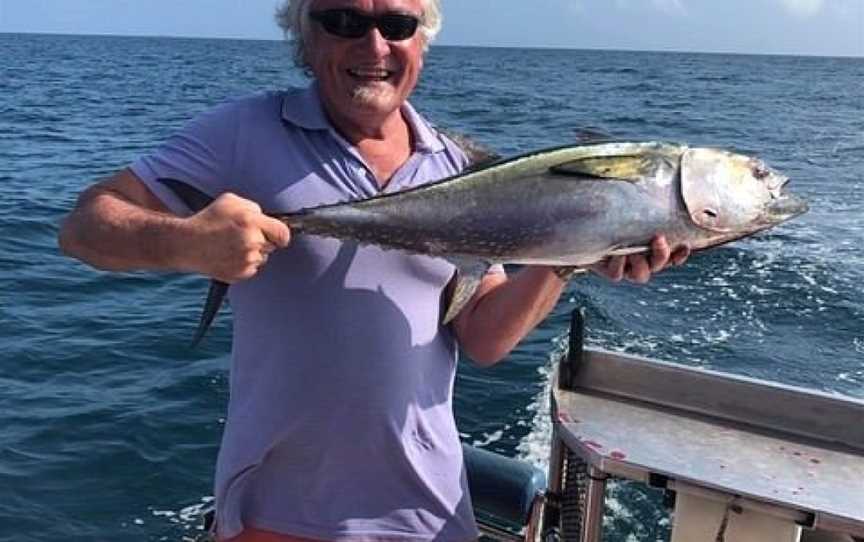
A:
(197, 200)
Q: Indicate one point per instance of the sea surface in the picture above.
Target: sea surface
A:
(109, 423)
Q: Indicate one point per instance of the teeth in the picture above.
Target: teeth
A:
(369, 73)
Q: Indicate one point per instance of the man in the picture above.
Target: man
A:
(340, 423)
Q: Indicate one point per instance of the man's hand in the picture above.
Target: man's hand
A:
(233, 239)
(638, 267)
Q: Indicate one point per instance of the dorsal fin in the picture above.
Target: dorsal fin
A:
(193, 198)
(592, 134)
(479, 155)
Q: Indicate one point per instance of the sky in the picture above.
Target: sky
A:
(811, 27)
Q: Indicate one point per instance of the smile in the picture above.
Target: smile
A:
(370, 74)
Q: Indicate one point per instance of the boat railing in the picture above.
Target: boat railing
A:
(742, 459)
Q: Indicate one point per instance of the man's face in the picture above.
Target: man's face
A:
(365, 79)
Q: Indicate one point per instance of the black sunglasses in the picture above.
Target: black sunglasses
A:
(352, 24)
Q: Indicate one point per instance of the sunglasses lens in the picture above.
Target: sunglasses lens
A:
(397, 27)
(347, 23)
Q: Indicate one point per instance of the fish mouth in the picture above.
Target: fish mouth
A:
(785, 207)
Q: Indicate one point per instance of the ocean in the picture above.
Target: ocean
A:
(110, 424)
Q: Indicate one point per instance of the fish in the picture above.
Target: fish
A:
(573, 205)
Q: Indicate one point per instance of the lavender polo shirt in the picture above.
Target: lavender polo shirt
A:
(340, 422)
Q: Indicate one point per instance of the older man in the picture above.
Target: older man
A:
(340, 423)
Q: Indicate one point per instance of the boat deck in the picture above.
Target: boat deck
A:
(795, 451)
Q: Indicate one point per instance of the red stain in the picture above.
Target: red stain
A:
(618, 455)
(592, 444)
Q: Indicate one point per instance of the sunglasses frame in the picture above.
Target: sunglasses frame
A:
(406, 24)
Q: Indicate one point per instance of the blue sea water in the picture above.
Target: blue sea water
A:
(109, 423)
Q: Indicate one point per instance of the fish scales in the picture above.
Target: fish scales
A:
(491, 217)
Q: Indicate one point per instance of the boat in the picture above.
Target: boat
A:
(738, 459)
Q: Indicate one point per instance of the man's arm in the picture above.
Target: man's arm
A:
(119, 225)
(504, 310)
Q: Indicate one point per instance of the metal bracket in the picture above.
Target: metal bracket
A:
(570, 365)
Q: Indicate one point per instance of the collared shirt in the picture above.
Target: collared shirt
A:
(340, 422)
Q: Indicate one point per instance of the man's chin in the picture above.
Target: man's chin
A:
(375, 96)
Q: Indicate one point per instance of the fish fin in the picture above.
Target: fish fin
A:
(592, 134)
(215, 296)
(479, 155)
(469, 274)
(197, 200)
(193, 198)
(631, 168)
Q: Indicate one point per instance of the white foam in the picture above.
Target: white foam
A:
(488, 438)
(534, 447)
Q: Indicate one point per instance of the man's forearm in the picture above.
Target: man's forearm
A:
(109, 232)
(506, 312)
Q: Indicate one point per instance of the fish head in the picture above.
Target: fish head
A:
(734, 195)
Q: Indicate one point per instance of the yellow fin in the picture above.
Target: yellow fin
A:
(633, 168)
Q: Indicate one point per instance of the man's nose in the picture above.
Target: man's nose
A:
(376, 42)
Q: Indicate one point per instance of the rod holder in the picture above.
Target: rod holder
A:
(570, 365)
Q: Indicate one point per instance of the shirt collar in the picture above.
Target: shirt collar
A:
(303, 108)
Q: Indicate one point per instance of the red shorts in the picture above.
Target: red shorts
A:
(255, 535)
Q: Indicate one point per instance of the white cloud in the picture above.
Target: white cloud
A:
(803, 8)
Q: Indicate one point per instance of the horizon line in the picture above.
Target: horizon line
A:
(529, 47)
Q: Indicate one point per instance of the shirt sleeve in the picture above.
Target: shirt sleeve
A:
(201, 155)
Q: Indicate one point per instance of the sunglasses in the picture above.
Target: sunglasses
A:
(352, 24)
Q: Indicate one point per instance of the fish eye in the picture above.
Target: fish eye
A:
(760, 172)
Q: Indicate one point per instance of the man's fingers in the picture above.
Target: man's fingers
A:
(680, 255)
(275, 231)
(248, 213)
(638, 269)
(660, 253)
(614, 268)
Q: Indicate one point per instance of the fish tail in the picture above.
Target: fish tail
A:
(193, 198)
(215, 297)
(197, 200)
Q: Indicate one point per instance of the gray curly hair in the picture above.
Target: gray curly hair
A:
(293, 18)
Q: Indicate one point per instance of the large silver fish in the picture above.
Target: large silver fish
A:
(573, 205)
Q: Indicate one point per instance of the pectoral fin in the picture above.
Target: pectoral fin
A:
(469, 274)
(632, 168)
(197, 200)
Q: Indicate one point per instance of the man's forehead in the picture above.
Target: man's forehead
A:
(372, 6)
